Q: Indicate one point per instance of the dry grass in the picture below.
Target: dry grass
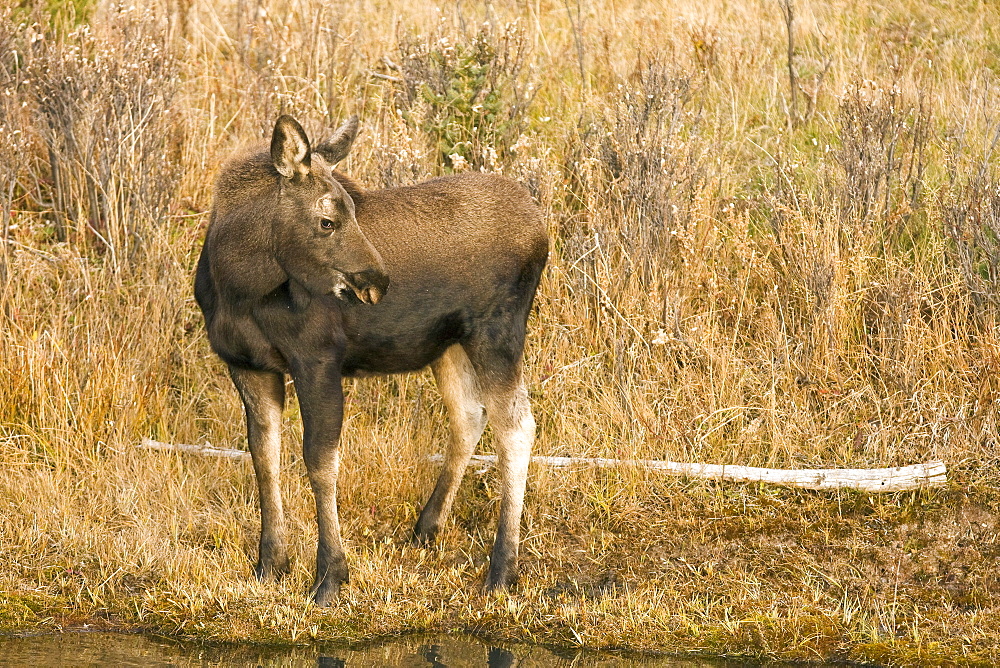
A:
(736, 278)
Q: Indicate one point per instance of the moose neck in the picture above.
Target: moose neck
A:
(244, 263)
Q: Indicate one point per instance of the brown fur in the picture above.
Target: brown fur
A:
(447, 271)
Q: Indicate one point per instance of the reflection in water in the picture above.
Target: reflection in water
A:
(454, 651)
(430, 653)
(499, 658)
(496, 657)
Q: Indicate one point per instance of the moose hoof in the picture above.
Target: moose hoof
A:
(326, 592)
(423, 536)
(271, 569)
(500, 579)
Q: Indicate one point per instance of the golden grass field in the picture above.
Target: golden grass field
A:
(754, 262)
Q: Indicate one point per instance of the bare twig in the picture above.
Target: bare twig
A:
(34, 251)
(387, 77)
(577, 26)
(788, 10)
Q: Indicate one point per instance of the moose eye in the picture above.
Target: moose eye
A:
(327, 224)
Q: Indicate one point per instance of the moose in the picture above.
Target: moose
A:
(304, 273)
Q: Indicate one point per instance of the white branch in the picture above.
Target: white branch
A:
(917, 476)
(930, 474)
(206, 450)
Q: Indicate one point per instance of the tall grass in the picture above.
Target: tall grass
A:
(736, 277)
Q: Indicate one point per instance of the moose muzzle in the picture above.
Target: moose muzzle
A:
(369, 285)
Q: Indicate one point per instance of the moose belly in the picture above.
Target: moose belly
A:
(400, 345)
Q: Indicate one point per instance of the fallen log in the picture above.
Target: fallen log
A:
(902, 478)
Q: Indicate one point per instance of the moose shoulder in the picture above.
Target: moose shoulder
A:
(306, 274)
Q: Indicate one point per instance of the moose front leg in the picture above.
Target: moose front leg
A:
(321, 401)
(263, 395)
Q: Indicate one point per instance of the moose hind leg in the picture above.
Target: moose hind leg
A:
(263, 395)
(456, 380)
(510, 414)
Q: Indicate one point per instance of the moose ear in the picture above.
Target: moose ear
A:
(289, 148)
(336, 149)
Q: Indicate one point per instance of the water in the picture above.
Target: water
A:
(452, 651)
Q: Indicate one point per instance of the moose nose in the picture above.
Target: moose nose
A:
(370, 285)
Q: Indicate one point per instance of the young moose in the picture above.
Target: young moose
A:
(304, 273)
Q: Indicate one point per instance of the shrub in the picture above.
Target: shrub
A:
(101, 100)
(468, 97)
